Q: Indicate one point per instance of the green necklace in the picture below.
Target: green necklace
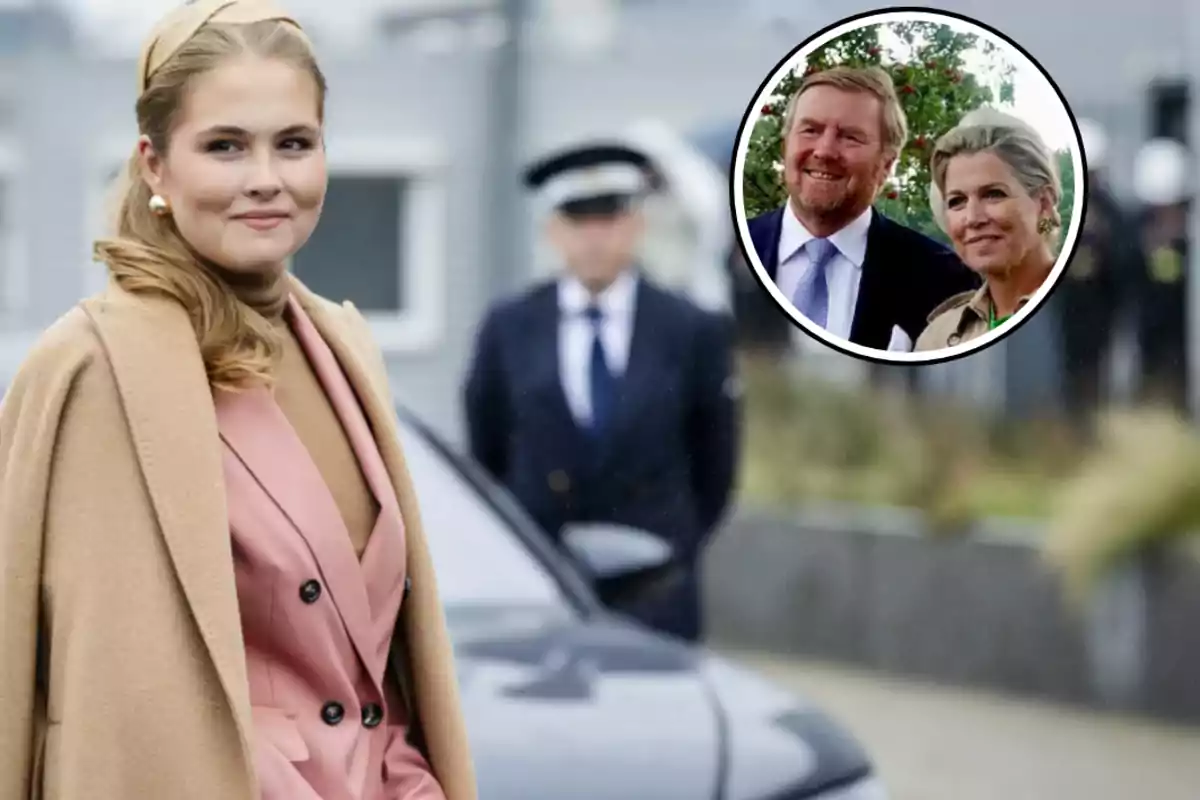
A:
(994, 323)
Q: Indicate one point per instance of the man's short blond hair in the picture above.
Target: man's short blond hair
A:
(874, 81)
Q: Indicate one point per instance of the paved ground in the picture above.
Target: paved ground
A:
(933, 743)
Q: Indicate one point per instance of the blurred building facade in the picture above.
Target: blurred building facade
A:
(433, 108)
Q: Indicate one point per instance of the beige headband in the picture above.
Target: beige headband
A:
(175, 29)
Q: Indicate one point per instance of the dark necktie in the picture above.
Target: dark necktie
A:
(602, 383)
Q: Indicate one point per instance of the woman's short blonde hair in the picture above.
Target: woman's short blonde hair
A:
(147, 255)
(1012, 140)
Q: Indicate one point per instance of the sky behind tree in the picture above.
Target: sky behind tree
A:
(1034, 98)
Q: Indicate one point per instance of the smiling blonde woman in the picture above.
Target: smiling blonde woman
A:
(995, 192)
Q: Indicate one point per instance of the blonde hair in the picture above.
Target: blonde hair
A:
(874, 81)
(1015, 143)
(147, 255)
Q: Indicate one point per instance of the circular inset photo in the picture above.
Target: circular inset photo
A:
(908, 186)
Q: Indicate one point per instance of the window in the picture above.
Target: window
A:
(357, 251)
(478, 559)
(381, 240)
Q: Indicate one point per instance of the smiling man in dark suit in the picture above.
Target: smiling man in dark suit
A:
(600, 397)
(845, 266)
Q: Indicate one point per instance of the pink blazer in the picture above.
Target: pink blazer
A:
(317, 622)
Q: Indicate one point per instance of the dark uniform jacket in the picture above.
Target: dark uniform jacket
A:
(667, 463)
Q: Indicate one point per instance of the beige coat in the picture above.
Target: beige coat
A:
(122, 666)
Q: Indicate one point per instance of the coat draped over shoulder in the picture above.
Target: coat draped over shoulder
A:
(122, 665)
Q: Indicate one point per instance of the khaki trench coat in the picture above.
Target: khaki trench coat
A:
(122, 666)
(959, 319)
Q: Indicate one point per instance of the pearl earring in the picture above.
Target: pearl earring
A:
(159, 206)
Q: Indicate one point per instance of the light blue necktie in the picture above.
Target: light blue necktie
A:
(812, 295)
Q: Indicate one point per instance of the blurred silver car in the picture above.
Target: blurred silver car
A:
(565, 699)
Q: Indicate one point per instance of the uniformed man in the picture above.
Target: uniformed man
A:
(1162, 183)
(759, 324)
(1162, 328)
(1097, 280)
(600, 397)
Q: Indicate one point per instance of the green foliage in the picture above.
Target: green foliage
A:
(935, 89)
(1066, 170)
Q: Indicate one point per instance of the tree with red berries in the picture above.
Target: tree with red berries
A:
(927, 63)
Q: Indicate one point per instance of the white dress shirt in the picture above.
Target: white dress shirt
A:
(575, 333)
(844, 271)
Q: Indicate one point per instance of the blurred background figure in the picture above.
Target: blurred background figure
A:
(1097, 285)
(599, 397)
(761, 327)
(688, 227)
(1163, 186)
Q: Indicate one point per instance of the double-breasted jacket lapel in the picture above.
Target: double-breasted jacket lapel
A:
(429, 650)
(383, 561)
(254, 427)
(366, 593)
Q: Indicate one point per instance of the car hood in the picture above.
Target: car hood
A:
(779, 744)
(598, 709)
(583, 710)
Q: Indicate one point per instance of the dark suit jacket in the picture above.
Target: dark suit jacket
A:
(667, 466)
(905, 276)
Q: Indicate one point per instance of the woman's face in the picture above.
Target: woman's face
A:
(245, 170)
(992, 220)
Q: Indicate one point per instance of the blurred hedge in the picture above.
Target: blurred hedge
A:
(808, 442)
(1139, 492)
(1135, 490)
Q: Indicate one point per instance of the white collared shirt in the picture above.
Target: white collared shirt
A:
(844, 271)
(616, 303)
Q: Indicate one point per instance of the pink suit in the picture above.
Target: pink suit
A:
(317, 621)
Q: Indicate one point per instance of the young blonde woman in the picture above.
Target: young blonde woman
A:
(995, 192)
(214, 582)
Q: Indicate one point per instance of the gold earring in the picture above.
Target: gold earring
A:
(1045, 225)
(159, 206)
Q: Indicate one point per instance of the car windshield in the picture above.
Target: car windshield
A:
(479, 560)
